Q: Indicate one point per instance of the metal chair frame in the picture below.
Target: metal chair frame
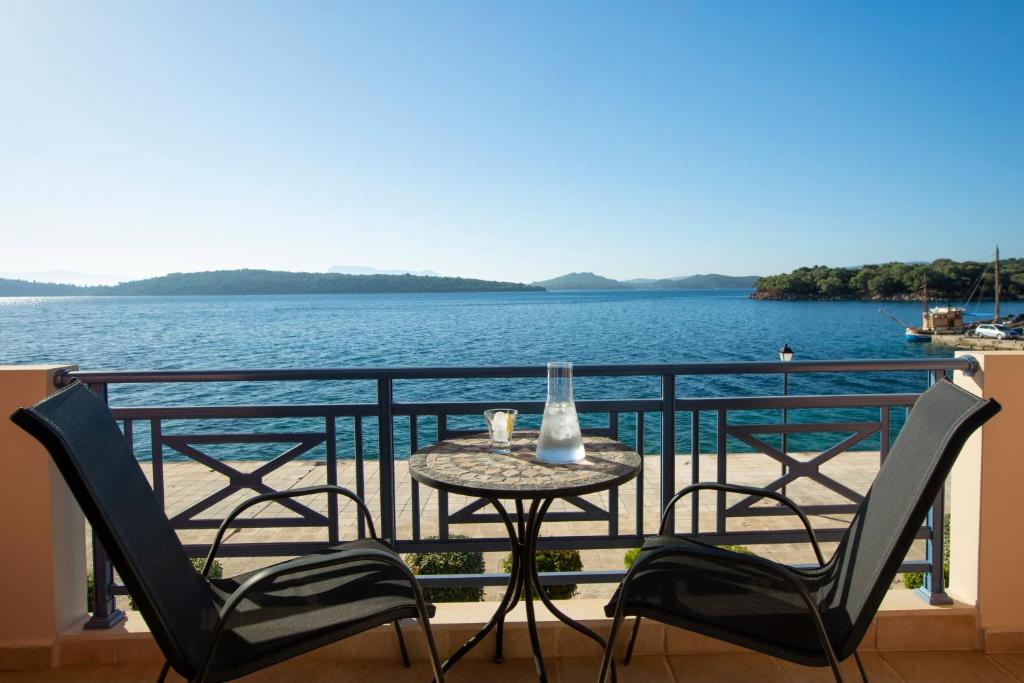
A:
(339, 558)
(779, 570)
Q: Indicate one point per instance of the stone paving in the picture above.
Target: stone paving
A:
(188, 482)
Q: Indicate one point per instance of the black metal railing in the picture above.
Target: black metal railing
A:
(424, 422)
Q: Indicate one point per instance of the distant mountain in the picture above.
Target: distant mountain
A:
(581, 281)
(265, 282)
(369, 270)
(24, 288)
(64, 277)
(710, 281)
(592, 281)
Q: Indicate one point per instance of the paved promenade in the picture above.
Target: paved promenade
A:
(187, 483)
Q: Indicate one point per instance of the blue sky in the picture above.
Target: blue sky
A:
(513, 141)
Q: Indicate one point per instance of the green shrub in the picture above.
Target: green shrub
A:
(449, 563)
(216, 572)
(630, 557)
(914, 580)
(741, 549)
(554, 561)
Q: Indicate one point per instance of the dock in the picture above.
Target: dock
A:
(962, 341)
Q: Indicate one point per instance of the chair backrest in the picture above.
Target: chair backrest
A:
(895, 507)
(83, 438)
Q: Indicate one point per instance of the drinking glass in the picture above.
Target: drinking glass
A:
(500, 424)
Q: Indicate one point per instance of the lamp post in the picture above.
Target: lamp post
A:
(785, 355)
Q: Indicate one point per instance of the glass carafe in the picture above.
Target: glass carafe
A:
(560, 438)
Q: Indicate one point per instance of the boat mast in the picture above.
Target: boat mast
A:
(996, 318)
(925, 323)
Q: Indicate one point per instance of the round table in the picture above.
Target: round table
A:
(468, 466)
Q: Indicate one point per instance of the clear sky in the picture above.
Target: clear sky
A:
(507, 140)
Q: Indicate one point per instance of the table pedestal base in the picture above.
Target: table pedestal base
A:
(523, 584)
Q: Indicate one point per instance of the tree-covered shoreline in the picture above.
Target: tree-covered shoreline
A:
(946, 279)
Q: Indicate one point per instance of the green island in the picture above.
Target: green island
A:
(265, 282)
(945, 279)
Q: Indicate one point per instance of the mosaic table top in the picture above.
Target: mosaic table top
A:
(467, 465)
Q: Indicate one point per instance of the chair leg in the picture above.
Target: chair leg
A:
(632, 642)
(163, 672)
(860, 666)
(401, 643)
(609, 649)
(435, 661)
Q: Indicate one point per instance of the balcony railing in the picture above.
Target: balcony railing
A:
(345, 430)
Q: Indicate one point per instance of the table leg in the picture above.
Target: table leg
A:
(536, 519)
(510, 597)
(523, 581)
(515, 577)
(531, 581)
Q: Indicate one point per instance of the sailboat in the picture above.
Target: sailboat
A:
(934, 320)
(949, 319)
(996, 296)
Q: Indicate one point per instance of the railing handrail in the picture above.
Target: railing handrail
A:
(511, 371)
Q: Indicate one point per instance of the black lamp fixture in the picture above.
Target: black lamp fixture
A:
(785, 353)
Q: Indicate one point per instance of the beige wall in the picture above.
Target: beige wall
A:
(987, 510)
(42, 533)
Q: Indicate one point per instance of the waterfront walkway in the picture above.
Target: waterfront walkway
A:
(188, 482)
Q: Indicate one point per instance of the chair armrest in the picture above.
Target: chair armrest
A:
(750, 491)
(278, 495)
(319, 561)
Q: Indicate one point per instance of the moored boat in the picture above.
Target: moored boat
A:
(914, 334)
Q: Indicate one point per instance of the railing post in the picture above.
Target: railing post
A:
(442, 496)
(934, 588)
(640, 475)
(934, 583)
(668, 445)
(104, 602)
(414, 444)
(330, 437)
(722, 461)
(695, 470)
(357, 428)
(386, 458)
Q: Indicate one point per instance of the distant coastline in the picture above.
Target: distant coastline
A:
(592, 281)
(236, 282)
(946, 280)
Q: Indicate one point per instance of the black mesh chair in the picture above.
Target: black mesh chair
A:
(818, 616)
(218, 629)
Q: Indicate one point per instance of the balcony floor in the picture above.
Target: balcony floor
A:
(883, 667)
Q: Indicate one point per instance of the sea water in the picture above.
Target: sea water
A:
(506, 328)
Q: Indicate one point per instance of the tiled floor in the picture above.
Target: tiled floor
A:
(885, 667)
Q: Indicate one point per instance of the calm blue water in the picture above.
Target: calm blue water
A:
(134, 333)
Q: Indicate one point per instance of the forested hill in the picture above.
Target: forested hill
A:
(265, 282)
(950, 280)
(10, 287)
